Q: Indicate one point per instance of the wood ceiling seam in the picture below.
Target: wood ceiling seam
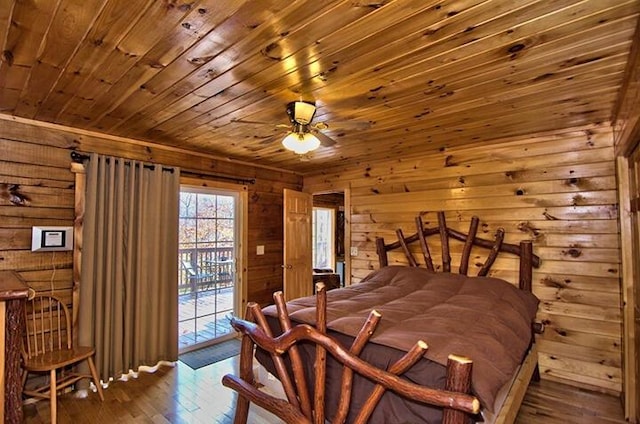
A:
(144, 144)
(478, 89)
(461, 44)
(417, 62)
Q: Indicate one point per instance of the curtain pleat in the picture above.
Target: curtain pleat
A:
(128, 306)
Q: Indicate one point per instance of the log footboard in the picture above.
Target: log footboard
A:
(457, 403)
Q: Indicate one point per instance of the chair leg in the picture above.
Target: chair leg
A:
(53, 396)
(96, 380)
(25, 374)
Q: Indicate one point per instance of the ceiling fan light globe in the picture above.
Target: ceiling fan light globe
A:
(301, 143)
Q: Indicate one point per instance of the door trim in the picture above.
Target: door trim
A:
(242, 236)
(628, 303)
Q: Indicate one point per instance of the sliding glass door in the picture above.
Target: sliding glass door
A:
(208, 255)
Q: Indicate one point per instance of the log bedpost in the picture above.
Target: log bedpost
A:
(321, 354)
(458, 380)
(245, 371)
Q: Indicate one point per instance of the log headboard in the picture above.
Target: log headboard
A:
(524, 250)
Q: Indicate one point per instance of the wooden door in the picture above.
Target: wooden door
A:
(298, 208)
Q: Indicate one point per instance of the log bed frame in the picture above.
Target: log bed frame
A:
(457, 402)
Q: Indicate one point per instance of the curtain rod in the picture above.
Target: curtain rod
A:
(79, 158)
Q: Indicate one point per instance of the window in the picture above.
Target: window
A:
(323, 238)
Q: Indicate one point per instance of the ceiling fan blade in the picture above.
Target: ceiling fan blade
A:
(270, 139)
(325, 140)
(347, 125)
(247, 121)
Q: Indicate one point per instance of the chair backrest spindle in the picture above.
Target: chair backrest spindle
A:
(47, 319)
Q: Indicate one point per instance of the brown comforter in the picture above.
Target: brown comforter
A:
(483, 318)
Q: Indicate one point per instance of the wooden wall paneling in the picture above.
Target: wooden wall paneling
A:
(44, 150)
(514, 162)
(87, 141)
(556, 188)
(584, 353)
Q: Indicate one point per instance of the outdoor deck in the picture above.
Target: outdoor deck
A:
(212, 308)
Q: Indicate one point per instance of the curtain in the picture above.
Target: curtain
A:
(128, 303)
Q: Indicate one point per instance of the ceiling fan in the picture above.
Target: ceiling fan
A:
(303, 136)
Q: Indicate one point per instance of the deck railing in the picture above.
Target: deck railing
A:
(205, 269)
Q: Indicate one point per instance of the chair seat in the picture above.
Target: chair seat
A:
(57, 358)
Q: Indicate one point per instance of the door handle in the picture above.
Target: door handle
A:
(287, 266)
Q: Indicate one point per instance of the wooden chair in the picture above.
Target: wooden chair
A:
(198, 280)
(48, 348)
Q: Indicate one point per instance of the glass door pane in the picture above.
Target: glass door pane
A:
(323, 238)
(207, 256)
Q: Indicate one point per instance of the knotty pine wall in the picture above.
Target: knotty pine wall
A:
(557, 189)
(37, 189)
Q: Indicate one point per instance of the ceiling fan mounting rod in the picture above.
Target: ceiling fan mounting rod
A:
(300, 128)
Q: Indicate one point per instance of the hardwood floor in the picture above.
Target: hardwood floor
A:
(182, 395)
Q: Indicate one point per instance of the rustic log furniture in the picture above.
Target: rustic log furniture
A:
(458, 405)
(13, 292)
(48, 349)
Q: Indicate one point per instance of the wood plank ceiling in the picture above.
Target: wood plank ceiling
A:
(390, 78)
